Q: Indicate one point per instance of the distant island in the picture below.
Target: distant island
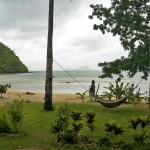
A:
(9, 62)
(82, 68)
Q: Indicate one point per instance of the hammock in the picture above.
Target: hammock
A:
(111, 104)
(107, 103)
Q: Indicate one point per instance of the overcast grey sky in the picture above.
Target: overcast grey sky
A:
(23, 28)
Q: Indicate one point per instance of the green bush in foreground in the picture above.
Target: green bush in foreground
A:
(140, 135)
(72, 134)
(15, 112)
(4, 125)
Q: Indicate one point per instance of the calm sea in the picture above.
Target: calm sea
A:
(62, 82)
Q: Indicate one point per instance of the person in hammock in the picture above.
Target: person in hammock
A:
(92, 89)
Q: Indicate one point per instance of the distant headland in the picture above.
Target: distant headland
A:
(9, 62)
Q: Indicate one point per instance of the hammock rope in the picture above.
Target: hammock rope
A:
(70, 75)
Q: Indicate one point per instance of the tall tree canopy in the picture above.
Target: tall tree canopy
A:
(130, 20)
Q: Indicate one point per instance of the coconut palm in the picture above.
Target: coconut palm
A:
(49, 67)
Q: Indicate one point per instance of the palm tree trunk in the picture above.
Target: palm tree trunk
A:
(49, 66)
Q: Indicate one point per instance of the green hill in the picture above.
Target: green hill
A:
(9, 62)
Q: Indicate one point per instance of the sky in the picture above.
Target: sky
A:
(24, 28)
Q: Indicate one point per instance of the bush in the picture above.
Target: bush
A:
(4, 125)
(61, 122)
(16, 114)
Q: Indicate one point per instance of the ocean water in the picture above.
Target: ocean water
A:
(63, 83)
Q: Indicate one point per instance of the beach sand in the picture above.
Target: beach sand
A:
(38, 97)
(59, 97)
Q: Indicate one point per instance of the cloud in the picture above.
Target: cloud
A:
(24, 26)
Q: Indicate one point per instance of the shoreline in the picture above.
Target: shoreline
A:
(38, 97)
(57, 97)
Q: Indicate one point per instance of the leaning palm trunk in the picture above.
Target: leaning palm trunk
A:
(49, 67)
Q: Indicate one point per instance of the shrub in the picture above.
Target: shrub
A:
(61, 121)
(4, 125)
(16, 114)
(118, 90)
(90, 122)
(139, 136)
(113, 130)
(3, 88)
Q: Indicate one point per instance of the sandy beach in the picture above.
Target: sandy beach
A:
(59, 97)
(37, 97)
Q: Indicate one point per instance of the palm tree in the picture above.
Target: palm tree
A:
(49, 67)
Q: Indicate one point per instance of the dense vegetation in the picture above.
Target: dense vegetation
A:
(9, 62)
(130, 20)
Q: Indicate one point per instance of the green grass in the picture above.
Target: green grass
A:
(36, 125)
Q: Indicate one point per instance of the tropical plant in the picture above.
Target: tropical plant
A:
(4, 125)
(136, 97)
(82, 96)
(134, 121)
(139, 137)
(77, 127)
(90, 121)
(16, 114)
(113, 130)
(61, 121)
(128, 19)
(144, 121)
(69, 136)
(118, 90)
(76, 116)
(109, 95)
(4, 88)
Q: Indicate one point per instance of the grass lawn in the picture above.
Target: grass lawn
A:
(36, 126)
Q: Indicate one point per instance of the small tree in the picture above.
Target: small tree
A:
(16, 114)
(129, 19)
(4, 88)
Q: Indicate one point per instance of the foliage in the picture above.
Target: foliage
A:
(144, 121)
(139, 137)
(130, 20)
(113, 129)
(69, 136)
(104, 141)
(77, 127)
(90, 121)
(9, 62)
(82, 96)
(134, 122)
(16, 114)
(61, 121)
(135, 98)
(117, 90)
(4, 125)
(3, 88)
(76, 116)
(109, 95)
